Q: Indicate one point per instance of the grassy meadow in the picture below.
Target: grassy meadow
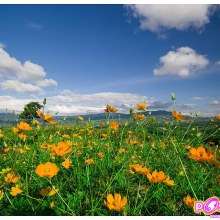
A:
(138, 167)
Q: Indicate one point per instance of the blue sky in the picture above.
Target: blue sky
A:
(82, 57)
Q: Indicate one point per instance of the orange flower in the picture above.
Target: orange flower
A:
(22, 136)
(61, 150)
(169, 182)
(46, 118)
(79, 152)
(139, 116)
(110, 109)
(1, 135)
(15, 190)
(104, 135)
(11, 178)
(130, 132)
(47, 170)
(48, 191)
(142, 106)
(90, 161)
(201, 154)
(22, 126)
(115, 203)
(121, 150)
(179, 116)
(114, 126)
(158, 177)
(67, 163)
(139, 169)
(218, 117)
(189, 201)
(100, 155)
(15, 130)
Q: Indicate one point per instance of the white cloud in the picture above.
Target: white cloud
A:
(198, 98)
(215, 102)
(183, 62)
(70, 103)
(19, 87)
(46, 83)
(218, 62)
(28, 74)
(158, 17)
(2, 45)
(12, 104)
(32, 71)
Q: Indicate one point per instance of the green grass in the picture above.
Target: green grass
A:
(83, 188)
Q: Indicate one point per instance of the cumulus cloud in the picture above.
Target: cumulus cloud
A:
(182, 62)
(19, 87)
(46, 83)
(160, 17)
(29, 74)
(70, 103)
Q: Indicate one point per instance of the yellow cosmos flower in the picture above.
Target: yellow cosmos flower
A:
(15, 190)
(115, 203)
(189, 201)
(22, 136)
(114, 126)
(179, 116)
(80, 118)
(48, 170)
(142, 106)
(158, 177)
(11, 178)
(90, 161)
(130, 132)
(110, 109)
(22, 126)
(46, 118)
(67, 163)
(201, 154)
(121, 150)
(104, 135)
(139, 169)
(48, 191)
(61, 150)
(139, 116)
(100, 155)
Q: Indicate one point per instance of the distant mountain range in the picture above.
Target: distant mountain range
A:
(9, 117)
(101, 116)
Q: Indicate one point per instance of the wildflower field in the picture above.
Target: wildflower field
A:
(138, 167)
